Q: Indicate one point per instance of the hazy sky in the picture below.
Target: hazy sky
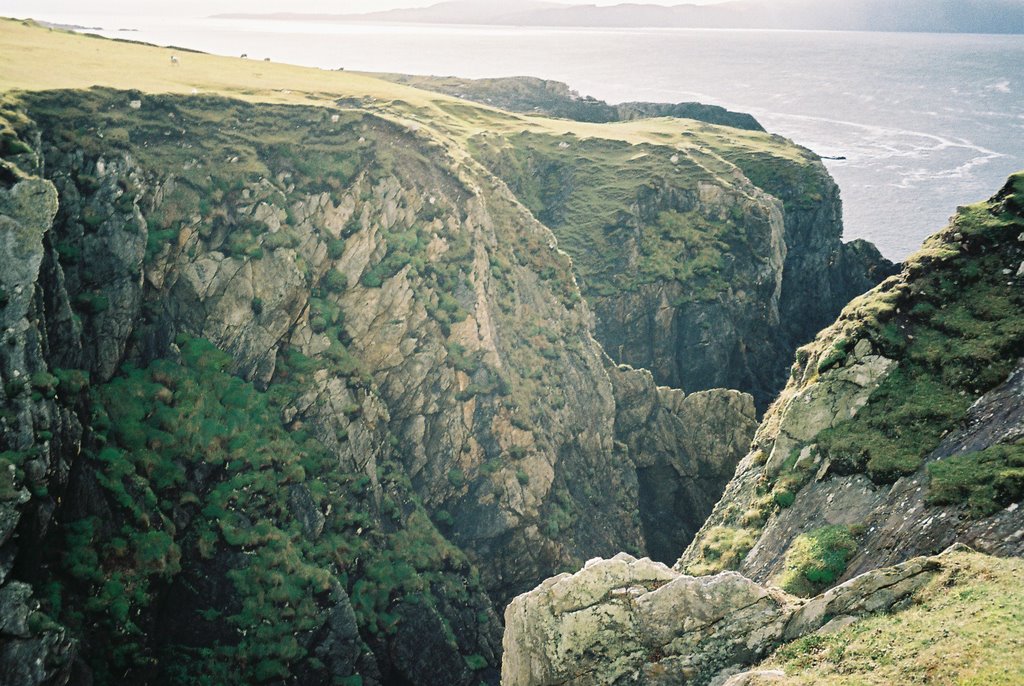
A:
(25, 8)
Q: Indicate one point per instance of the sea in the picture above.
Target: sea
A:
(920, 123)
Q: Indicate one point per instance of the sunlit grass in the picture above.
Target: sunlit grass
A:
(37, 58)
(965, 627)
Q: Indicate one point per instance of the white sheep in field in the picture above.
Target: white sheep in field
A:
(174, 61)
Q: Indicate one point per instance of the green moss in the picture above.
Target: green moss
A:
(165, 421)
(335, 248)
(335, 281)
(815, 560)
(476, 662)
(836, 356)
(43, 381)
(72, 381)
(456, 477)
(783, 498)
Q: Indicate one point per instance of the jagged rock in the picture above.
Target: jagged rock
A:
(29, 656)
(14, 609)
(683, 457)
(306, 512)
(823, 405)
(635, 621)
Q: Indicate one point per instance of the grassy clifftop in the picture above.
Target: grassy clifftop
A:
(662, 209)
(37, 58)
(555, 99)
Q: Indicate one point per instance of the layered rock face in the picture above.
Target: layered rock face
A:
(31, 652)
(629, 621)
(304, 416)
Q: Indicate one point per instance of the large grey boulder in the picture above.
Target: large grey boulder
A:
(628, 621)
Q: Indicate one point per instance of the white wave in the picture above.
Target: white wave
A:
(999, 87)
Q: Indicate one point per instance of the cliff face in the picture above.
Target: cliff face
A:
(291, 393)
(707, 283)
(899, 431)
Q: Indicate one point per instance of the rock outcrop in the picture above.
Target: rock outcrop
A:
(900, 428)
(629, 621)
(33, 651)
(686, 458)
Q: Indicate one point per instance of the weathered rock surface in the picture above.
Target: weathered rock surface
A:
(629, 621)
(684, 459)
(769, 268)
(31, 653)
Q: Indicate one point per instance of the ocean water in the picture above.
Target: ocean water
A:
(926, 122)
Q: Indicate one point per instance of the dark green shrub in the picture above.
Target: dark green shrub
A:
(456, 477)
(72, 380)
(783, 498)
(336, 248)
(335, 281)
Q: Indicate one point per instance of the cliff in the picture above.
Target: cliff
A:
(953, 616)
(247, 386)
(554, 98)
(687, 251)
(708, 264)
(898, 435)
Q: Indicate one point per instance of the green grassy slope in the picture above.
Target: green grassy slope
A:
(966, 627)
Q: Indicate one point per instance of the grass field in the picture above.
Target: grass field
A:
(39, 58)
